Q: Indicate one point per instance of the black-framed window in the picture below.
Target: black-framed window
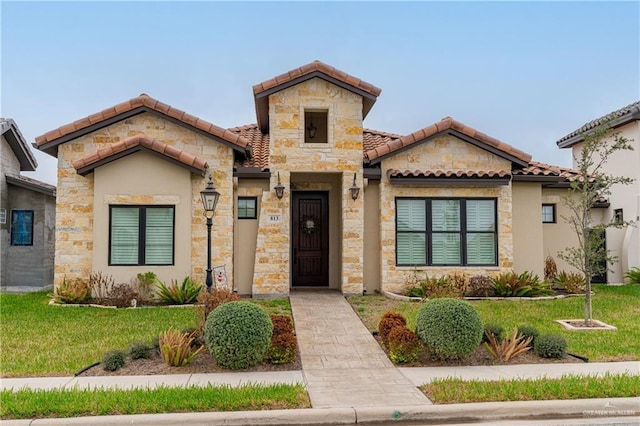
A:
(141, 235)
(446, 231)
(618, 217)
(21, 227)
(548, 213)
(247, 207)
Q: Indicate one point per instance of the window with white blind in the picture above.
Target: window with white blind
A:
(141, 235)
(441, 232)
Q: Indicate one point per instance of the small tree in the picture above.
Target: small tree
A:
(591, 185)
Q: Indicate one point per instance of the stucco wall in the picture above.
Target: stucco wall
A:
(75, 211)
(133, 180)
(289, 154)
(446, 153)
(557, 236)
(528, 247)
(625, 197)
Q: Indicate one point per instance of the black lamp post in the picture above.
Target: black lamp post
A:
(209, 197)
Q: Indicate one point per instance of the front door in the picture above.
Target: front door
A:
(310, 238)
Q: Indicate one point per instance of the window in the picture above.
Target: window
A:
(438, 231)
(141, 235)
(315, 127)
(548, 213)
(618, 218)
(247, 207)
(22, 227)
(3, 216)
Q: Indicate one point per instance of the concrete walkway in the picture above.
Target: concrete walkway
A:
(342, 363)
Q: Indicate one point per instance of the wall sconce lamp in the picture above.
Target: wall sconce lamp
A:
(279, 188)
(311, 129)
(355, 190)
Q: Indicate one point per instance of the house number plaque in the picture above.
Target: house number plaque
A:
(274, 219)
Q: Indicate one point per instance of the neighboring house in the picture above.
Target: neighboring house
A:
(27, 216)
(624, 202)
(362, 210)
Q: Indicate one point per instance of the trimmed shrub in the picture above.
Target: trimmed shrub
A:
(214, 298)
(139, 350)
(528, 331)
(449, 328)
(404, 345)
(282, 349)
(550, 346)
(496, 329)
(113, 360)
(388, 322)
(238, 334)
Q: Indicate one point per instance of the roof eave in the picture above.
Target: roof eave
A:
(19, 146)
(32, 185)
(618, 122)
(450, 181)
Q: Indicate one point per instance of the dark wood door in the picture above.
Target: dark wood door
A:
(310, 238)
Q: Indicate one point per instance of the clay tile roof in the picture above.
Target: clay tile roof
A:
(49, 141)
(305, 72)
(537, 169)
(259, 143)
(137, 143)
(447, 124)
(617, 118)
(448, 173)
(375, 138)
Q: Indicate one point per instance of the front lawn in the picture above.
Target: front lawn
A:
(26, 403)
(455, 390)
(615, 305)
(37, 339)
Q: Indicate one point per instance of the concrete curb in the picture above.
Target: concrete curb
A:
(425, 414)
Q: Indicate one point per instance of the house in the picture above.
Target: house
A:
(624, 202)
(309, 196)
(27, 217)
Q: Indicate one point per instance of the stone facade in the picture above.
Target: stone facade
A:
(289, 154)
(444, 153)
(75, 219)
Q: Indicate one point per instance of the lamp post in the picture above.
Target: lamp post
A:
(209, 197)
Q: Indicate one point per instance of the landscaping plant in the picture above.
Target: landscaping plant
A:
(550, 269)
(633, 275)
(571, 282)
(182, 294)
(145, 283)
(404, 345)
(238, 334)
(388, 322)
(282, 349)
(550, 345)
(72, 291)
(449, 328)
(176, 348)
(528, 331)
(496, 329)
(510, 284)
(480, 286)
(140, 350)
(589, 255)
(507, 348)
(113, 360)
(214, 298)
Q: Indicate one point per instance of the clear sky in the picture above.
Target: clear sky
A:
(524, 73)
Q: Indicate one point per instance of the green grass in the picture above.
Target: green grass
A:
(453, 391)
(37, 339)
(615, 305)
(25, 404)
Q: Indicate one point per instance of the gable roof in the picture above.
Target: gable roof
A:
(261, 91)
(450, 126)
(136, 143)
(18, 144)
(144, 103)
(618, 118)
(31, 184)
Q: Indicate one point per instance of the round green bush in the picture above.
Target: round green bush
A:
(494, 328)
(528, 331)
(113, 361)
(449, 328)
(550, 346)
(238, 334)
(140, 350)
